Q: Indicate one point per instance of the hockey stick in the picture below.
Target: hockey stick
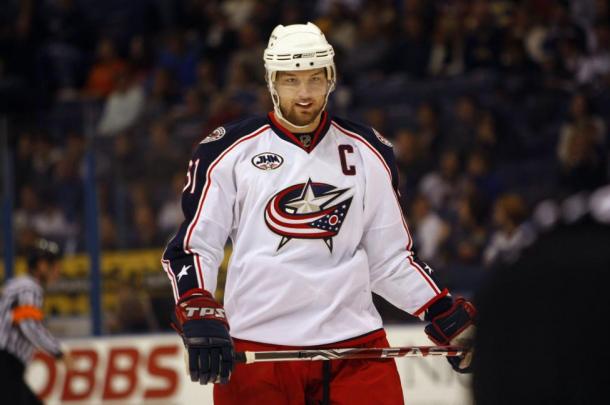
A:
(348, 353)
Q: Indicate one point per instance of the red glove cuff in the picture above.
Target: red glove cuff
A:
(199, 304)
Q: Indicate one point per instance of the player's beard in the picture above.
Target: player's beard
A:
(300, 119)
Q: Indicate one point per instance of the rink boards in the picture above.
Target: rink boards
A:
(150, 369)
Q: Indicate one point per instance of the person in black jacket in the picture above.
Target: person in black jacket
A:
(541, 318)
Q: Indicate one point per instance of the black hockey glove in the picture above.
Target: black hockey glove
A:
(455, 326)
(201, 322)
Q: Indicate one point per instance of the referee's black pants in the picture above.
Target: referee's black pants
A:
(12, 383)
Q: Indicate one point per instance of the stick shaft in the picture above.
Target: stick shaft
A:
(348, 353)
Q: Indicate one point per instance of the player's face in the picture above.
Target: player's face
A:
(302, 94)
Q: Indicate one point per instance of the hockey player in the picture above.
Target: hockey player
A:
(21, 329)
(310, 203)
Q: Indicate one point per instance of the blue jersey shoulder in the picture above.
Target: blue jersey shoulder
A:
(369, 133)
(224, 136)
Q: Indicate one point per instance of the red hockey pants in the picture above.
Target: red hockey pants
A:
(349, 382)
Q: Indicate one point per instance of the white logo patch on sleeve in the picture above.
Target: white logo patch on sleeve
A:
(215, 135)
(382, 139)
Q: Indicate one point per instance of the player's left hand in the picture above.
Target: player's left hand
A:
(455, 327)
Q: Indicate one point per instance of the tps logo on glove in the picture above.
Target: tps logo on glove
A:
(196, 312)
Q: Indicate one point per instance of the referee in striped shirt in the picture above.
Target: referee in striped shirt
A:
(21, 328)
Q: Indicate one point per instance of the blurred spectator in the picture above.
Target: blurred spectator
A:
(468, 232)
(583, 167)
(580, 116)
(565, 42)
(263, 102)
(207, 85)
(429, 230)
(411, 53)
(564, 31)
(220, 38)
(222, 110)
(369, 50)
(486, 137)
(24, 158)
(108, 232)
(513, 231)
(45, 154)
(248, 54)
(139, 59)
(180, 56)
(442, 186)
(164, 153)
(74, 149)
(479, 177)
(107, 67)
(377, 118)
(241, 88)
(596, 66)
(412, 161)
(188, 118)
(515, 57)
(127, 164)
(67, 37)
(123, 106)
(50, 222)
(339, 26)
(581, 147)
(145, 233)
(482, 37)
(170, 215)
(28, 208)
(133, 313)
(427, 128)
(68, 189)
(446, 48)
(461, 132)
(161, 94)
(238, 11)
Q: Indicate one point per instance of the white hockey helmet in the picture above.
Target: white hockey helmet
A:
(297, 47)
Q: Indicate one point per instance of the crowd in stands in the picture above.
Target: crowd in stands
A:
(492, 107)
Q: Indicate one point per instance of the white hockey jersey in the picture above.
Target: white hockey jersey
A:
(316, 227)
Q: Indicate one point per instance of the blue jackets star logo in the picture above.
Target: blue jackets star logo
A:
(307, 211)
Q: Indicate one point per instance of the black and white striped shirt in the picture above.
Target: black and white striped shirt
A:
(21, 328)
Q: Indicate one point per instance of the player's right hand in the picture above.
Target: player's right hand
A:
(205, 331)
